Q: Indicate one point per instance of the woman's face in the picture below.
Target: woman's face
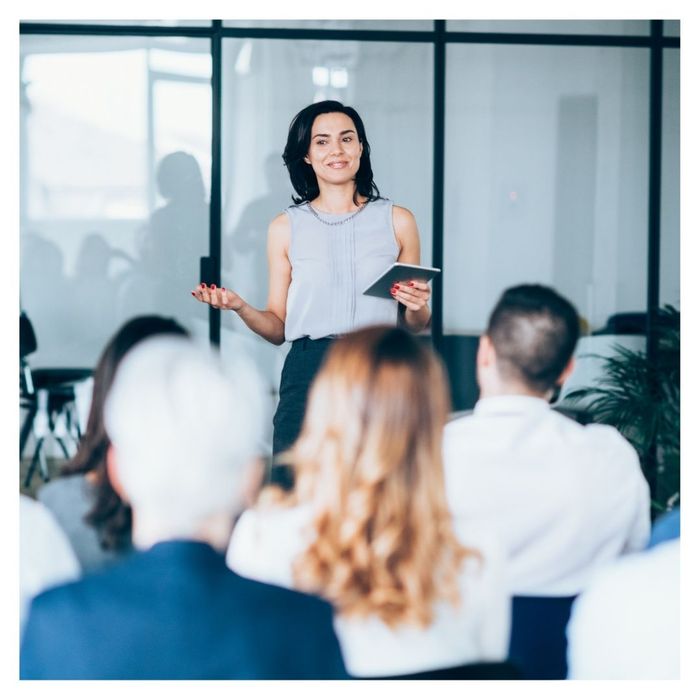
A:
(335, 149)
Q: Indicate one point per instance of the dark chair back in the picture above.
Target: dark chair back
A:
(486, 671)
(538, 636)
(27, 337)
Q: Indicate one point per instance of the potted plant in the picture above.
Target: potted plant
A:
(640, 396)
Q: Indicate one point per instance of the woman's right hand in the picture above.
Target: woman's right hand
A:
(218, 297)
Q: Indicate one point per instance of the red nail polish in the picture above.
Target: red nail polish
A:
(213, 286)
(223, 289)
(193, 294)
(410, 284)
(393, 291)
(202, 285)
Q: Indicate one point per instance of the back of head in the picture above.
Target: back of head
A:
(534, 332)
(109, 514)
(369, 458)
(182, 431)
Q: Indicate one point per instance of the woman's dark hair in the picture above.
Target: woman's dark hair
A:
(298, 141)
(109, 514)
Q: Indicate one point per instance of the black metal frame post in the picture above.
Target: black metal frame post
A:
(654, 213)
(654, 230)
(436, 326)
(215, 196)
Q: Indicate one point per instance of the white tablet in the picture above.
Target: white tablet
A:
(399, 272)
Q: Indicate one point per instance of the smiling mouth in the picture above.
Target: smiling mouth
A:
(337, 164)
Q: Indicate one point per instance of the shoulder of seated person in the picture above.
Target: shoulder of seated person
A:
(609, 438)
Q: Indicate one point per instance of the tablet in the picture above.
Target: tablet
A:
(399, 272)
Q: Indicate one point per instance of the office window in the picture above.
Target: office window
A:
(546, 178)
(265, 83)
(115, 170)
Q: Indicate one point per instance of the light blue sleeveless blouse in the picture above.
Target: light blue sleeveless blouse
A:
(332, 264)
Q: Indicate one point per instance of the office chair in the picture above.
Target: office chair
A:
(538, 641)
(48, 396)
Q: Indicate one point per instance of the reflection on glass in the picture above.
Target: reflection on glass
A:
(265, 83)
(670, 278)
(115, 162)
(551, 26)
(546, 178)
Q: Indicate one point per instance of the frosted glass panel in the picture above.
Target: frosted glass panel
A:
(672, 27)
(371, 24)
(546, 178)
(265, 83)
(551, 26)
(669, 274)
(115, 168)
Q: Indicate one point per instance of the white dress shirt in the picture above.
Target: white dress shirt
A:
(46, 558)
(626, 625)
(562, 498)
(266, 542)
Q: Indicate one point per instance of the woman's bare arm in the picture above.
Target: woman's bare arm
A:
(268, 323)
(413, 294)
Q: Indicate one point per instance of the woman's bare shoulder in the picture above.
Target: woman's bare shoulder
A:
(280, 223)
(402, 216)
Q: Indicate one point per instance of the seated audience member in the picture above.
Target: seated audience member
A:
(91, 513)
(45, 555)
(562, 497)
(626, 624)
(666, 527)
(367, 525)
(182, 436)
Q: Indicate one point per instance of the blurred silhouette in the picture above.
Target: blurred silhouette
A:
(93, 289)
(47, 298)
(171, 244)
(626, 625)
(245, 250)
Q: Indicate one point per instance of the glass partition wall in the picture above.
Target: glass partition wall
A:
(522, 147)
(115, 177)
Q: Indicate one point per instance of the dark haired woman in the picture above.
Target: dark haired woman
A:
(339, 236)
(95, 519)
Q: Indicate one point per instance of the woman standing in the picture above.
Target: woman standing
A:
(367, 525)
(323, 251)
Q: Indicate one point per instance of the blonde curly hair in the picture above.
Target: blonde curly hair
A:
(369, 460)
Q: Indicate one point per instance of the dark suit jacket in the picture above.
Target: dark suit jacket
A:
(176, 612)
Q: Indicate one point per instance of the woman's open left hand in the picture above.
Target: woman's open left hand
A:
(414, 295)
(218, 297)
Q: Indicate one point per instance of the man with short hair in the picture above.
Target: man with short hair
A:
(183, 438)
(563, 498)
